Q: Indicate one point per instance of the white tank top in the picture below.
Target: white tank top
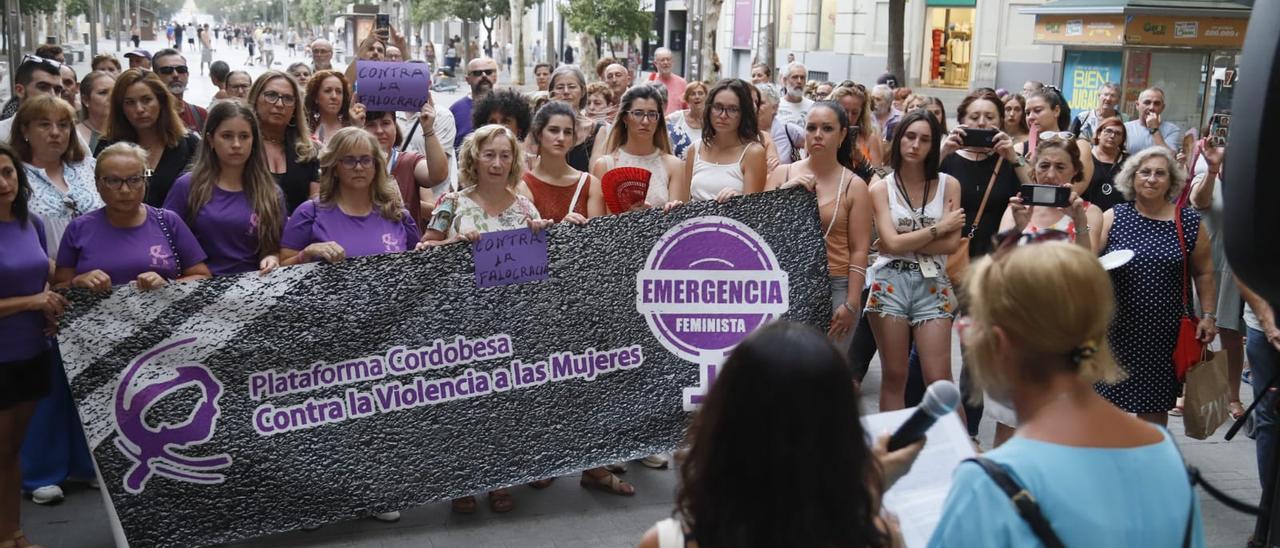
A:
(709, 178)
(907, 219)
(658, 192)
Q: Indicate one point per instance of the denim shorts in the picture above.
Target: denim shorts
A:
(901, 292)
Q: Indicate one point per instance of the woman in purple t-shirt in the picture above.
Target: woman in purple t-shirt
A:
(127, 240)
(229, 198)
(358, 212)
(27, 312)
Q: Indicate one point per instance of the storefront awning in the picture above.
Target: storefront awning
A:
(1145, 23)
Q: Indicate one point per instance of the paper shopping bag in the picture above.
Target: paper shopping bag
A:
(1205, 402)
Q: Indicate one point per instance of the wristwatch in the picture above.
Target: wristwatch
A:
(1153, 130)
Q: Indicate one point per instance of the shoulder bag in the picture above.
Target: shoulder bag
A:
(958, 262)
(1189, 349)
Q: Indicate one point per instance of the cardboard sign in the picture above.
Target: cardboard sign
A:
(247, 405)
(393, 86)
(510, 257)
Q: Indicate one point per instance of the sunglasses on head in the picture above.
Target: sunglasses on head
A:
(37, 59)
(180, 69)
(1056, 136)
(1010, 239)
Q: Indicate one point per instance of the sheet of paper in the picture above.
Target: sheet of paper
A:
(917, 498)
(393, 86)
(510, 257)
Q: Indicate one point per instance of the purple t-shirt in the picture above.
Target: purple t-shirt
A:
(24, 270)
(372, 234)
(226, 226)
(92, 243)
(461, 110)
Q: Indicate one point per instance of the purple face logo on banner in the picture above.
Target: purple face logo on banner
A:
(153, 448)
(707, 283)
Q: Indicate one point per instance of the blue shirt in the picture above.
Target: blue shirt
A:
(1094, 497)
(461, 110)
(1138, 137)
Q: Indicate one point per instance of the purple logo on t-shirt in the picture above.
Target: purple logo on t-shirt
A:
(253, 224)
(390, 242)
(159, 257)
(152, 448)
(707, 283)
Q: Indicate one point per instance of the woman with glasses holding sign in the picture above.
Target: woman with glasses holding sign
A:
(127, 240)
(291, 154)
(229, 198)
(569, 85)
(639, 140)
(730, 160)
(143, 112)
(29, 312)
(844, 208)
(60, 178)
(358, 210)
(918, 216)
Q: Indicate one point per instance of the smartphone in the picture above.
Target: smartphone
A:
(382, 22)
(1219, 128)
(1046, 195)
(982, 138)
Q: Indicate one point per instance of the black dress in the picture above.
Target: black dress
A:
(973, 177)
(296, 180)
(1102, 191)
(579, 157)
(174, 162)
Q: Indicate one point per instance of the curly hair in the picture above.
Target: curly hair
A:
(312, 104)
(469, 155)
(602, 89)
(511, 104)
(1177, 174)
(384, 192)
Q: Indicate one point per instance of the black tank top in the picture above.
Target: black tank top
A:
(580, 156)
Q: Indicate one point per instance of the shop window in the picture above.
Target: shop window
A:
(1181, 74)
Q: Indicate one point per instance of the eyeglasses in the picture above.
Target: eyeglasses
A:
(483, 72)
(37, 59)
(725, 110)
(1110, 131)
(1056, 136)
(353, 162)
(642, 115)
(180, 69)
(1147, 173)
(116, 183)
(279, 98)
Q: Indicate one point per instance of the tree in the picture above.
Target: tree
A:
(485, 12)
(707, 51)
(608, 20)
(897, 29)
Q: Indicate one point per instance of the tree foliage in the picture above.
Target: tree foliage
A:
(610, 20)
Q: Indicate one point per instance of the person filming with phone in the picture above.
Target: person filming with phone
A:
(1050, 204)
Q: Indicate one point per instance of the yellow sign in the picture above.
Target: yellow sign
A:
(1081, 30)
(1153, 30)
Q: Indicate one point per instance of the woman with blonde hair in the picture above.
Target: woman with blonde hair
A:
(1036, 337)
(1153, 291)
(685, 126)
(145, 113)
(357, 212)
(229, 198)
(291, 154)
(329, 107)
(95, 105)
(868, 151)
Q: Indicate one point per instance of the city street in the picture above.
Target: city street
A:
(566, 514)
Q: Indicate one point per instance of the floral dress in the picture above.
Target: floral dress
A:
(469, 215)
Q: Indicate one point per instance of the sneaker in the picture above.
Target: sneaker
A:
(49, 494)
(657, 462)
(387, 517)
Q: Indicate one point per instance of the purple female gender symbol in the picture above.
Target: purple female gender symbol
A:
(151, 449)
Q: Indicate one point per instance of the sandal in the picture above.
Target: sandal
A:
(608, 483)
(1177, 409)
(500, 501)
(542, 483)
(464, 505)
(1236, 409)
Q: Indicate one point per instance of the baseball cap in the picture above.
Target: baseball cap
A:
(139, 53)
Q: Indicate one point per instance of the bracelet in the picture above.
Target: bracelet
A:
(1213, 315)
(933, 232)
(849, 307)
(859, 269)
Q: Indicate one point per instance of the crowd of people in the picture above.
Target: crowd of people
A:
(115, 179)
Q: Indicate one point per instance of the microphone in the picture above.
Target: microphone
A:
(940, 399)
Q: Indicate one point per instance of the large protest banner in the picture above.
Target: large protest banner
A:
(242, 406)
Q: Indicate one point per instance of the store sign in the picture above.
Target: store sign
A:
(1084, 75)
(243, 406)
(742, 27)
(1155, 30)
(1084, 30)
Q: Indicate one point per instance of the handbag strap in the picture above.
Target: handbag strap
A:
(582, 181)
(1022, 500)
(168, 236)
(985, 195)
(1182, 245)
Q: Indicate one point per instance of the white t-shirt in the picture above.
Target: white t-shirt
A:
(794, 113)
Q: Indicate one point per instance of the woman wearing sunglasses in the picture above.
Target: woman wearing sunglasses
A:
(291, 154)
(358, 210)
(144, 112)
(730, 160)
(1037, 333)
(639, 139)
(1153, 291)
(127, 240)
(229, 198)
(1048, 117)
